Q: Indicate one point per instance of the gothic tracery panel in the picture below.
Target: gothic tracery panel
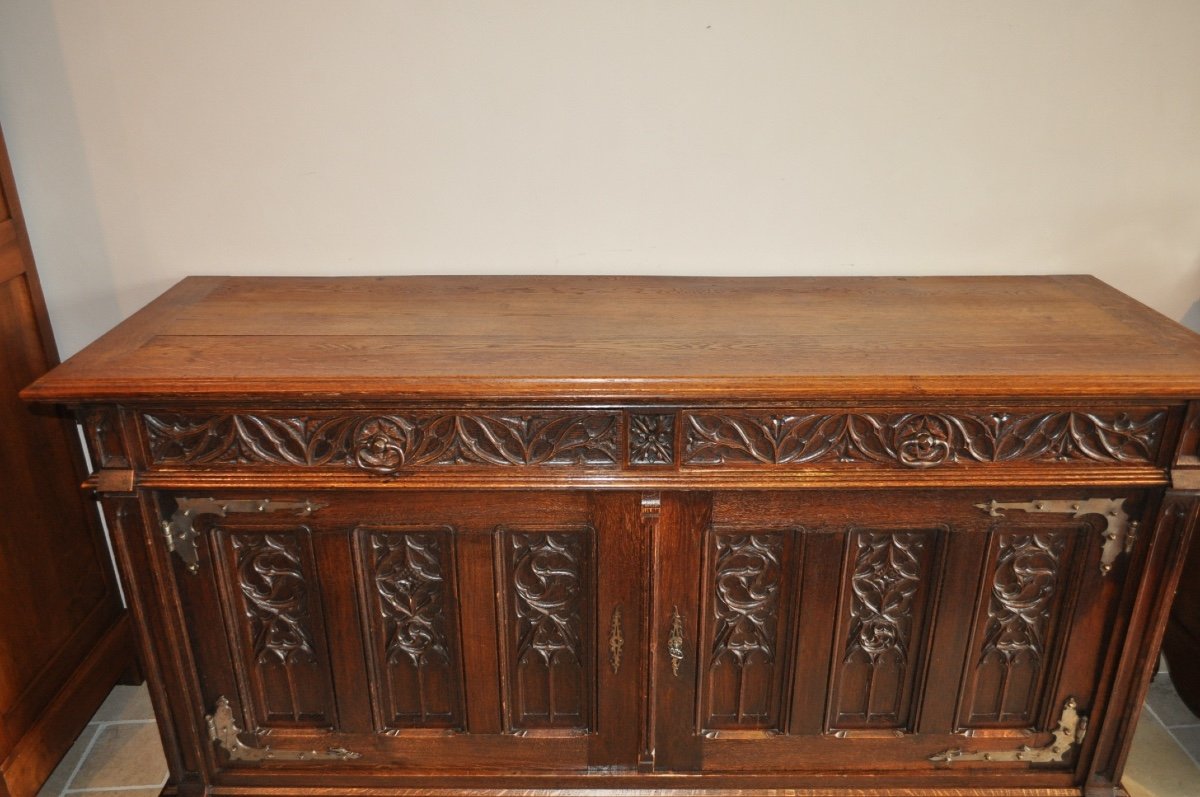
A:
(547, 574)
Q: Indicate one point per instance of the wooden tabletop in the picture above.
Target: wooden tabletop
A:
(639, 338)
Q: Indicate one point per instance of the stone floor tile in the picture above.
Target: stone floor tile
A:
(1167, 705)
(62, 773)
(1189, 738)
(1158, 766)
(124, 754)
(126, 703)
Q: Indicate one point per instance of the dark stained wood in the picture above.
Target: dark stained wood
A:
(562, 535)
(64, 638)
(1181, 645)
(643, 337)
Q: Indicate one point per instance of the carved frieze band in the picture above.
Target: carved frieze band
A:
(385, 443)
(394, 442)
(920, 439)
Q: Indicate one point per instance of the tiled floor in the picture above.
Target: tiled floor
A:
(119, 755)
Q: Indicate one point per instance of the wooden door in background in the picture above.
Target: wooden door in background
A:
(64, 636)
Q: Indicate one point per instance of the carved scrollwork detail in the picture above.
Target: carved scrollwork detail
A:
(747, 596)
(921, 439)
(411, 589)
(1023, 587)
(547, 582)
(386, 444)
(887, 574)
(275, 594)
(224, 732)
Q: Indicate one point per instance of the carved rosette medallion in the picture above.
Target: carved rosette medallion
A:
(651, 439)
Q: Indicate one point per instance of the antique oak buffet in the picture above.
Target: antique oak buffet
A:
(566, 535)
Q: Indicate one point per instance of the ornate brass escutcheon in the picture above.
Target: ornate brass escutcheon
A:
(616, 640)
(223, 730)
(675, 642)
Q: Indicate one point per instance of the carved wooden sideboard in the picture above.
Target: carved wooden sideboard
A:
(563, 535)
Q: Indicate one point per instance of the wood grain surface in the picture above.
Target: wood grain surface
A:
(635, 337)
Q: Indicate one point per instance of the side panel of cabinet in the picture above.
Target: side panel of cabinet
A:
(883, 631)
(421, 631)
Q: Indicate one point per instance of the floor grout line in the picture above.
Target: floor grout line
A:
(104, 723)
(114, 788)
(79, 764)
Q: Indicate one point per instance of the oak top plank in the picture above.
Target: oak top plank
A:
(640, 338)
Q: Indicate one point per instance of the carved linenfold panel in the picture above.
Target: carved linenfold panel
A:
(1013, 642)
(742, 677)
(279, 629)
(386, 444)
(551, 650)
(409, 597)
(651, 439)
(919, 440)
(884, 603)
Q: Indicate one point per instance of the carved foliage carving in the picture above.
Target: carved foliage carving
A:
(743, 667)
(279, 621)
(385, 443)
(919, 440)
(276, 597)
(1012, 651)
(886, 607)
(414, 628)
(549, 625)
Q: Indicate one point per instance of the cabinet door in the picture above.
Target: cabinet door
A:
(909, 631)
(424, 631)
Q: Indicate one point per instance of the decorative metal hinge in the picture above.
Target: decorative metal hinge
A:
(224, 731)
(1070, 732)
(180, 531)
(1120, 533)
(616, 640)
(675, 642)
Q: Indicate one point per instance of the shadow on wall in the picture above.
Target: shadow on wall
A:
(1191, 319)
(53, 176)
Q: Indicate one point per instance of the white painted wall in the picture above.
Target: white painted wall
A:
(158, 138)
